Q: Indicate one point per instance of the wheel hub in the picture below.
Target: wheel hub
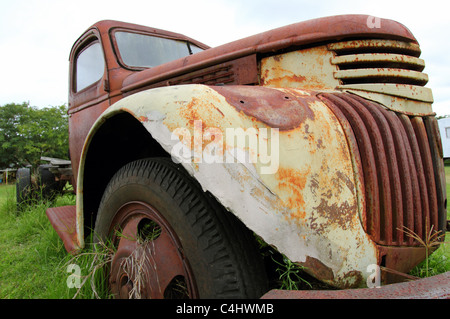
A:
(149, 261)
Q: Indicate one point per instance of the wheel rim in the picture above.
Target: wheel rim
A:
(149, 261)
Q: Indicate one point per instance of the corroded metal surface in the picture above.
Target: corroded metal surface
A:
(437, 287)
(377, 75)
(398, 60)
(147, 265)
(63, 221)
(385, 71)
(307, 69)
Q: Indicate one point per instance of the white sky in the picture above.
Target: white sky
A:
(36, 35)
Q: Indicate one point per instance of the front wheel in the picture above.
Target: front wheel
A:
(173, 240)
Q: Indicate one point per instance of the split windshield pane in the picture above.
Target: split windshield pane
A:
(139, 50)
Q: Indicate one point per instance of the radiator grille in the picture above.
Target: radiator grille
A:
(378, 61)
(400, 167)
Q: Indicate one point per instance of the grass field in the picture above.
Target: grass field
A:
(32, 258)
(33, 261)
(440, 260)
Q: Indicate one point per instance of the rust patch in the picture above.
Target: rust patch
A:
(352, 279)
(278, 109)
(201, 117)
(202, 109)
(190, 112)
(341, 215)
(63, 220)
(435, 287)
(347, 181)
(279, 77)
(308, 68)
(278, 58)
(317, 269)
(143, 118)
(293, 182)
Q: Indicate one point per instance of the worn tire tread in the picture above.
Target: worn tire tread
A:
(226, 244)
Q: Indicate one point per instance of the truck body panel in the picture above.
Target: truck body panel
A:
(319, 136)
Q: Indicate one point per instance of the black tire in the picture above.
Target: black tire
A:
(217, 251)
(47, 182)
(23, 185)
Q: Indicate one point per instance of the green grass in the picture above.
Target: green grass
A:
(32, 255)
(5, 192)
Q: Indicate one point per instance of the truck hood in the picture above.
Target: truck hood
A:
(294, 35)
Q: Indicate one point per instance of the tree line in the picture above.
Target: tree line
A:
(27, 133)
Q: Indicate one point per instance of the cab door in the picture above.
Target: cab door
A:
(88, 90)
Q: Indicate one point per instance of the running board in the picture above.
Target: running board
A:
(63, 220)
(436, 287)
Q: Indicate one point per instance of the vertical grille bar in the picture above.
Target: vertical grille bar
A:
(423, 187)
(425, 152)
(432, 129)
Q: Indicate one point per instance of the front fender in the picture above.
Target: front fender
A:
(294, 182)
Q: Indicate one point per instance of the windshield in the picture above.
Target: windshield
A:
(140, 50)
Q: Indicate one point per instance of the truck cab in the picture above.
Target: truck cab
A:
(103, 57)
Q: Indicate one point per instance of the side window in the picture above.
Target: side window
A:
(90, 66)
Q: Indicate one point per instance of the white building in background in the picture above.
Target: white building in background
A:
(444, 129)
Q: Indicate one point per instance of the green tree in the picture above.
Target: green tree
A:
(27, 133)
(11, 118)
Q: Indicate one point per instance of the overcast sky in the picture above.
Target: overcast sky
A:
(36, 36)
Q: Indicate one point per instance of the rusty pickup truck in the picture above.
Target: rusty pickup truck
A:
(317, 139)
